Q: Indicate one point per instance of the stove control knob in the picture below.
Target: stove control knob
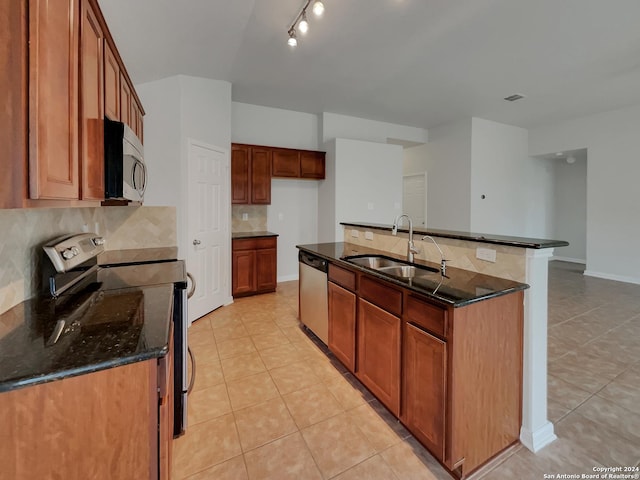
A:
(68, 254)
(98, 241)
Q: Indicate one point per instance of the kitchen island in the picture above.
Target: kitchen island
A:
(443, 353)
(520, 259)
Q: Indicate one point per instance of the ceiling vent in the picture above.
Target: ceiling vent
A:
(514, 97)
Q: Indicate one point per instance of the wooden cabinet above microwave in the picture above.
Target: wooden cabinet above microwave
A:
(61, 72)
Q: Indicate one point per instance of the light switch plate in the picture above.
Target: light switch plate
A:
(370, 205)
(487, 254)
(245, 217)
(355, 233)
(368, 235)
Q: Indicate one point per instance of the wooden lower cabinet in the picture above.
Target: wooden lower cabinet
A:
(254, 266)
(425, 387)
(378, 355)
(342, 325)
(99, 425)
(244, 272)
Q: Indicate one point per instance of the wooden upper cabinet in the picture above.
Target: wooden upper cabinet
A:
(53, 99)
(92, 105)
(312, 165)
(260, 176)
(285, 163)
(240, 174)
(111, 84)
(125, 101)
(250, 175)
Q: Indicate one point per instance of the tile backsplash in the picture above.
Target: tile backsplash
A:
(256, 218)
(24, 231)
(510, 261)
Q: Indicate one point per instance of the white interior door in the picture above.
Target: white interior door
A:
(414, 197)
(208, 226)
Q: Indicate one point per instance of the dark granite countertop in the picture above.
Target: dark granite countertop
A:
(97, 330)
(457, 289)
(238, 235)
(520, 242)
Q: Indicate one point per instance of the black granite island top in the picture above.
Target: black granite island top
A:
(521, 242)
(458, 288)
(239, 235)
(46, 339)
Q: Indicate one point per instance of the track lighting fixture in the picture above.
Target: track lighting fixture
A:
(293, 41)
(301, 21)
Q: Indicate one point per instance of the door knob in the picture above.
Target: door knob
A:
(196, 242)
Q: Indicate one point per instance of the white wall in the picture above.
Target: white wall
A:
(296, 200)
(570, 200)
(342, 126)
(178, 108)
(448, 159)
(517, 188)
(368, 186)
(613, 208)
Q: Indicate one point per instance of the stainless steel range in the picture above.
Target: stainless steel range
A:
(87, 294)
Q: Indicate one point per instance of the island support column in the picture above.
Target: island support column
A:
(536, 431)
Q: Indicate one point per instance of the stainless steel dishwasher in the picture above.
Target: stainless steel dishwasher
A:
(314, 308)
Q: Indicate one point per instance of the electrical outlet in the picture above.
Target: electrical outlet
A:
(245, 217)
(370, 205)
(368, 235)
(355, 233)
(487, 254)
(281, 216)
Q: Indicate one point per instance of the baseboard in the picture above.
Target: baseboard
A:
(536, 441)
(288, 278)
(568, 259)
(609, 276)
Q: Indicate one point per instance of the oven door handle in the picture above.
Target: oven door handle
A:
(192, 381)
(193, 285)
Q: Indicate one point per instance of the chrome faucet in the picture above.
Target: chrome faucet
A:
(443, 261)
(411, 248)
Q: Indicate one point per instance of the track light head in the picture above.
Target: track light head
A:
(318, 8)
(303, 26)
(293, 41)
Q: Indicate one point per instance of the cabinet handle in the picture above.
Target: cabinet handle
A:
(192, 380)
(193, 285)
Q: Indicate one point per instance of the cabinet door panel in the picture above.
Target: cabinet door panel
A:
(378, 364)
(53, 99)
(342, 325)
(240, 174)
(244, 272)
(111, 84)
(260, 176)
(125, 102)
(286, 163)
(266, 270)
(425, 388)
(92, 105)
(312, 165)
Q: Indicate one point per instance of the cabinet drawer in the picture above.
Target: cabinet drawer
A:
(426, 315)
(342, 276)
(381, 294)
(254, 243)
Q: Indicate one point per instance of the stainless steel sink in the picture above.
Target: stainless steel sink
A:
(389, 266)
(375, 262)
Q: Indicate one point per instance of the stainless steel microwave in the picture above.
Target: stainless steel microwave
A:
(125, 172)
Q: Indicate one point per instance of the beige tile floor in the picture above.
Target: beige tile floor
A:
(270, 403)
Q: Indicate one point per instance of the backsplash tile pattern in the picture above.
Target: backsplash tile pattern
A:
(510, 264)
(24, 231)
(256, 222)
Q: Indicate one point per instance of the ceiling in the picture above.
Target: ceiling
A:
(413, 62)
